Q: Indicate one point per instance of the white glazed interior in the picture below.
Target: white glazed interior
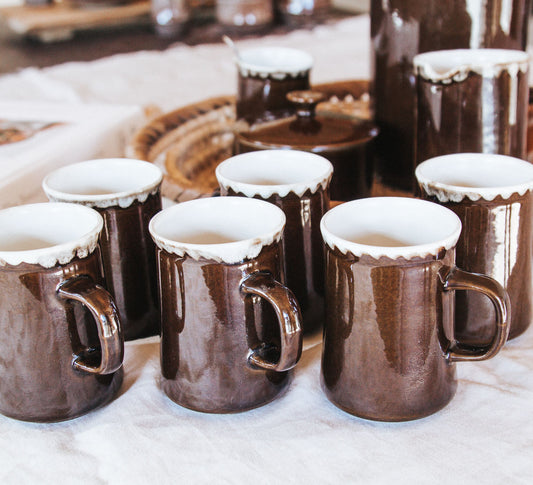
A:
(224, 229)
(270, 172)
(47, 234)
(278, 62)
(103, 183)
(407, 227)
(474, 176)
(455, 64)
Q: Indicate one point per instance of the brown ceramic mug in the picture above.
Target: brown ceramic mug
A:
(389, 348)
(127, 195)
(61, 345)
(297, 182)
(230, 330)
(265, 76)
(493, 197)
(471, 100)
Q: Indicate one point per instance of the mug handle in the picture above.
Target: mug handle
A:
(100, 303)
(289, 318)
(458, 279)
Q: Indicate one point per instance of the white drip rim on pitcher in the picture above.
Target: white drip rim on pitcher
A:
(455, 64)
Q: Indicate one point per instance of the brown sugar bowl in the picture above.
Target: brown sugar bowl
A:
(346, 141)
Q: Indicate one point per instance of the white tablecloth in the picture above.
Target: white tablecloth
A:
(485, 435)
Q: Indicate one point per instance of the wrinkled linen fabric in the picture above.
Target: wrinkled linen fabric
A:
(485, 435)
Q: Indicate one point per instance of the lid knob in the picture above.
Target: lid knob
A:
(305, 102)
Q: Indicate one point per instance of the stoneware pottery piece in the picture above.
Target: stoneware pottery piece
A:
(61, 345)
(297, 182)
(472, 100)
(230, 330)
(265, 76)
(347, 143)
(493, 196)
(400, 29)
(127, 195)
(389, 348)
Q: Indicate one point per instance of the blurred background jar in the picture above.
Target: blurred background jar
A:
(297, 12)
(170, 17)
(245, 15)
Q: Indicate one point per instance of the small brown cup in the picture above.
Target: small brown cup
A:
(265, 76)
(230, 330)
(389, 346)
(471, 100)
(297, 182)
(493, 197)
(127, 195)
(61, 344)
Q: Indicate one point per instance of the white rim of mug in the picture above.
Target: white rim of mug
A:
(120, 191)
(303, 171)
(259, 224)
(476, 176)
(277, 62)
(378, 215)
(450, 65)
(51, 222)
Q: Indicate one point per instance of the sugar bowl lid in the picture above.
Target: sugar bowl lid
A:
(308, 130)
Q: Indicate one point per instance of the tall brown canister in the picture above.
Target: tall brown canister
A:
(400, 29)
(347, 142)
(471, 100)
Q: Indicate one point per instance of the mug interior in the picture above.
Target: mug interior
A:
(275, 59)
(474, 175)
(222, 228)
(29, 233)
(270, 172)
(95, 179)
(476, 170)
(390, 226)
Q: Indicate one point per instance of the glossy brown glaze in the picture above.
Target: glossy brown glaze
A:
(496, 240)
(46, 339)
(303, 251)
(389, 347)
(400, 29)
(263, 98)
(347, 144)
(215, 326)
(472, 115)
(128, 254)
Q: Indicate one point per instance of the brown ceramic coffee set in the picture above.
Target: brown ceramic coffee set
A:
(401, 287)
